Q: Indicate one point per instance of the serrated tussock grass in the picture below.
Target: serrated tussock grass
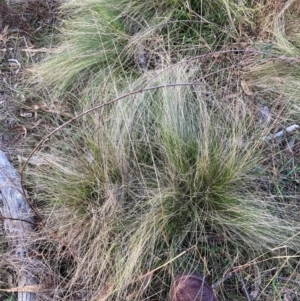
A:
(101, 40)
(179, 176)
(168, 183)
(90, 43)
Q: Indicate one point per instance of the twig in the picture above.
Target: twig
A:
(161, 266)
(289, 129)
(141, 90)
(243, 288)
(286, 279)
(18, 219)
(228, 275)
(220, 281)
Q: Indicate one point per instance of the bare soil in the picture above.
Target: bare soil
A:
(23, 28)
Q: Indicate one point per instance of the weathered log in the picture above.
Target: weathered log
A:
(18, 220)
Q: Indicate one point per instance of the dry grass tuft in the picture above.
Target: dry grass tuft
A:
(174, 180)
(179, 166)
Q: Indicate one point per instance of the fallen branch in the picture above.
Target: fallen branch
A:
(29, 288)
(18, 221)
(242, 286)
(287, 130)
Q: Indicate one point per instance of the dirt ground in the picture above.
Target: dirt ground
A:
(24, 28)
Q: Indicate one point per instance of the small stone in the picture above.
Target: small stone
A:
(191, 287)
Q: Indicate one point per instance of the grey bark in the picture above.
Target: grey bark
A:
(18, 226)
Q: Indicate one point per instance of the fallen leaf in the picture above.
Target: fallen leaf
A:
(21, 129)
(3, 35)
(246, 88)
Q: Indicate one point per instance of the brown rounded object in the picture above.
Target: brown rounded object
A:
(191, 287)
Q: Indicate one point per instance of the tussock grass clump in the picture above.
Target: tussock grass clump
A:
(183, 174)
(170, 184)
(92, 39)
(101, 40)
